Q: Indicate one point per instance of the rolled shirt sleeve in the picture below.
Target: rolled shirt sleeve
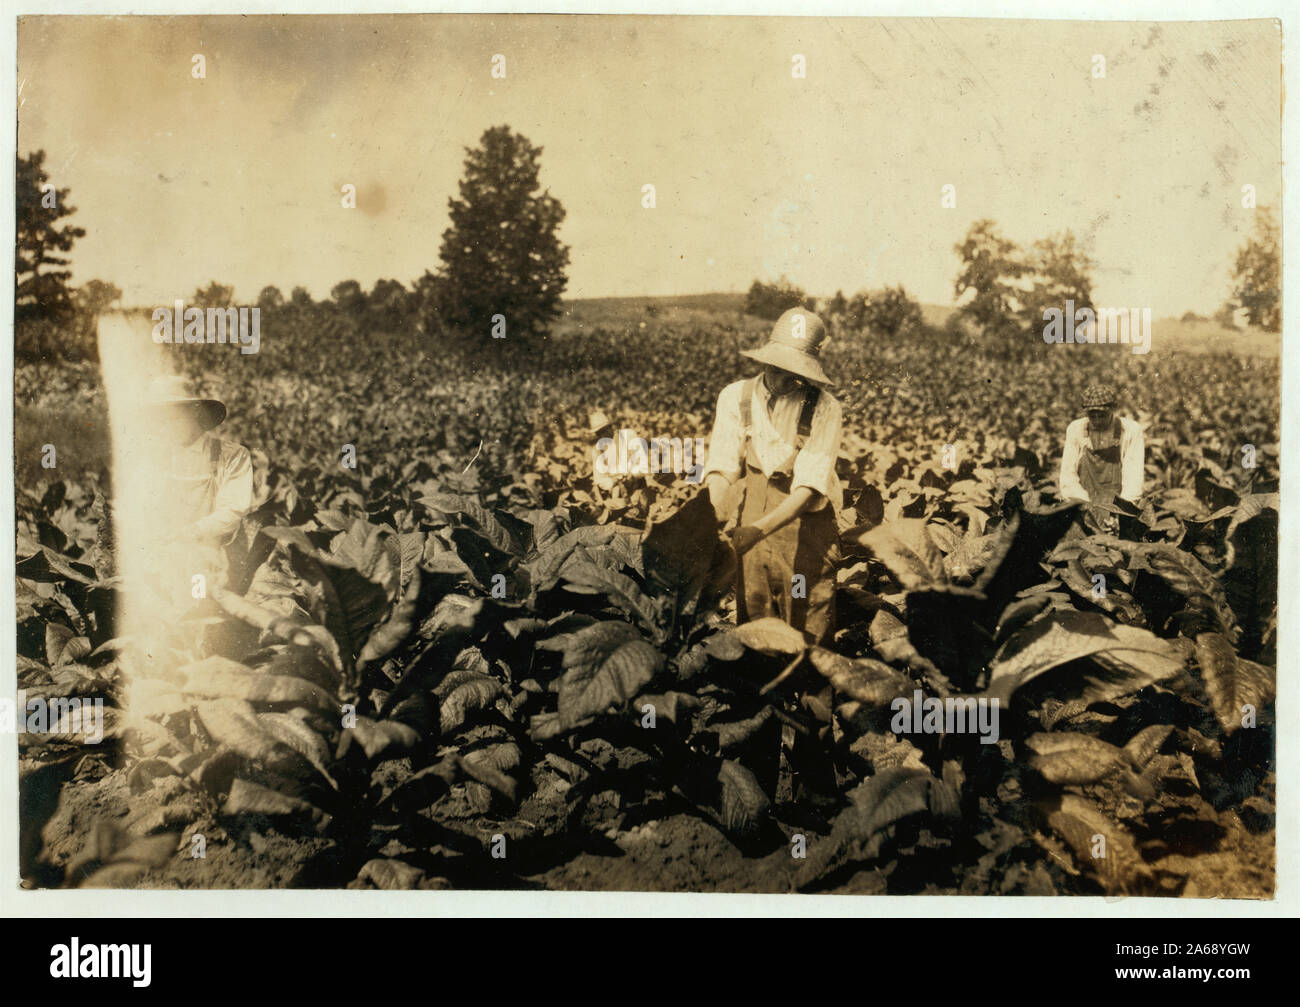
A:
(1132, 461)
(726, 439)
(814, 465)
(1071, 488)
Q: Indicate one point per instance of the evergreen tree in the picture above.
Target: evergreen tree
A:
(502, 255)
(39, 290)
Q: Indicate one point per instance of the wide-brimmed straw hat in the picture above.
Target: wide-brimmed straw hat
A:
(170, 392)
(795, 345)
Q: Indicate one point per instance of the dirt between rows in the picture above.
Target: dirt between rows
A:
(1229, 857)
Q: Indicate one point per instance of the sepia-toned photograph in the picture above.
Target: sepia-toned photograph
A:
(685, 454)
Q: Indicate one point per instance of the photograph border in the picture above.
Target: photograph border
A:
(305, 903)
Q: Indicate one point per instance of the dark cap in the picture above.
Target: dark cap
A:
(1098, 396)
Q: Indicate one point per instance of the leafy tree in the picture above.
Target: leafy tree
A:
(349, 297)
(771, 300)
(1256, 276)
(890, 312)
(78, 335)
(301, 298)
(885, 312)
(1060, 271)
(94, 296)
(270, 299)
(992, 267)
(854, 316)
(39, 290)
(502, 254)
(214, 295)
(388, 305)
(838, 305)
(1226, 316)
(428, 297)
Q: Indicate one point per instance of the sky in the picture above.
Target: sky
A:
(834, 180)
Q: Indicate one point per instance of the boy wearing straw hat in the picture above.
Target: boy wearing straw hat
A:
(777, 437)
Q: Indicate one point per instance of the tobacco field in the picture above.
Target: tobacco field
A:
(463, 664)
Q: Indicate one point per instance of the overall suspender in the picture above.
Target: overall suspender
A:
(811, 395)
(214, 462)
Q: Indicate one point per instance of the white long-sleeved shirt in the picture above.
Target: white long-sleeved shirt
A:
(215, 495)
(1132, 453)
(773, 437)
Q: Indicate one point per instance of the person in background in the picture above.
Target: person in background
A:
(1103, 462)
(622, 494)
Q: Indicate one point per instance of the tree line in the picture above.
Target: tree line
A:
(1002, 289)
(502, 271)
(502, 268)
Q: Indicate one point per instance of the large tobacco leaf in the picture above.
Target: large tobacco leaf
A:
(1124, 658)
(346, 601)
(686, 560)
(1231, 682)
(606, 664)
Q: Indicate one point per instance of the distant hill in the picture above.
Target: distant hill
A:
(935, 314)
(696, 302)
(1199, 335)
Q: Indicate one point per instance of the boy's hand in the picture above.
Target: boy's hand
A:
(745, 538)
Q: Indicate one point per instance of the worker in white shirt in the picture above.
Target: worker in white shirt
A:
(1103, 462)
(623, 494)
(207, 478)
(778, 435)
(201, 485)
